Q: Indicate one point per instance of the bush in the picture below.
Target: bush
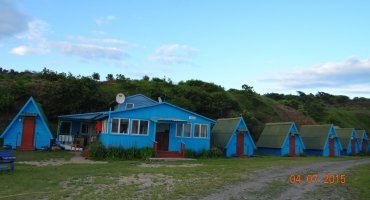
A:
(116, 153)
(203, 154)
(147, 152)
(216, 152)
(132, 153)
(190, 153)
(97, 151)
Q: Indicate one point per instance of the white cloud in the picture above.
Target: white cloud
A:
(98, 32)
(173, 53)
(26, 50)
(12, 20)
(103, 20)
(348, 76)
(108, 41)
(36, 30)
(91, 52)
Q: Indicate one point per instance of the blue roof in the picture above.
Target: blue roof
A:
(84, 116)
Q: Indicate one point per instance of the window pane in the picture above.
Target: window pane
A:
(187, 130)
(65, 128)
(84, 128)
(144, 127)
(129, 105)
(197, 130)
(123, 127)
(104, 127)
(115, 125)
(204, 130)
(135, 127)
(178, 130)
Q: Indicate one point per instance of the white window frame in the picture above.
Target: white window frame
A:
(133, 105)
(138, 127)
(119, 126)
(70, 128)
(200, 130)
(182, 130)
(191, 130)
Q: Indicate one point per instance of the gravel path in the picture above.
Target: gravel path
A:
(76, 159)
(273, 183)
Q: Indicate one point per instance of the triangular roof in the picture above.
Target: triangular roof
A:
(31, 101)
(362, 134)
(223, 130)
(274, 134)
(315, 136)
(345, 134)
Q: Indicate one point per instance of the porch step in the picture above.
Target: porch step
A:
(26, 148)
(169, 154)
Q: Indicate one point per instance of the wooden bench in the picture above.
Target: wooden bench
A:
(8, 158)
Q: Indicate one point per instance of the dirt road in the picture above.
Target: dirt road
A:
(274, 183)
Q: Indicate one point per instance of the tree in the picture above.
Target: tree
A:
(96, 76)
(109, 77)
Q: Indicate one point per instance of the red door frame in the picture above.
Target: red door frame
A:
(331, 147)
(292, 145)
(240, 144)
(28, 132)
(353, 146)
(364, 145)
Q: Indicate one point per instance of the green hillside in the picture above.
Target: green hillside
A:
(61, 93)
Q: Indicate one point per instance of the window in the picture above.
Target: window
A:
(135, 126)
(84, 128)
(201, 130)
(65, 128)
(105, 126)
(140, 127)
(123, 126)
(144, 124)
(120, 125)
(187, 130)
(179, 130)
(129, 105)
(115, 124)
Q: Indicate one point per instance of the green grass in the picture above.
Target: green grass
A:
(359, 180)
(41, 155)
(127, 179)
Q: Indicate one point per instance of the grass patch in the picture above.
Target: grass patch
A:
(41, 155)
(118, 179)
(358, 180)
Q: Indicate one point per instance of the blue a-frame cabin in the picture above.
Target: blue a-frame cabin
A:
(365, 145)
(321, 140)
(233, 136)
(29, 129)
(349, 141)
(141, 122)
(281, 138)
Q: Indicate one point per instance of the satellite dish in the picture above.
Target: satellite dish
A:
(120, 98)
(159, 99)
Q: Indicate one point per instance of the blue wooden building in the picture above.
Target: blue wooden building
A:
(321, 140)
(29, 129)
(233, 136)
(141, 122)
(349, 140)
(364, 141)
(281, 139)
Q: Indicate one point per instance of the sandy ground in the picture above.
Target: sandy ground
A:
(76, 159)
(273, 183)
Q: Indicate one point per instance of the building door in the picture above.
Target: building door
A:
(162, 136)
(353, 146)
(28, 133)
(240, 144)
(364, 145)
(331, 147)
(292, 145)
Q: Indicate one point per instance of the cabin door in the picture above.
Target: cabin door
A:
(331, 147)
(292, 145)
(364, 145)
(162, 136)
(240, 144)
(353, 146)
(28, 132)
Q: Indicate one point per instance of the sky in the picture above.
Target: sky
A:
(274, 46)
